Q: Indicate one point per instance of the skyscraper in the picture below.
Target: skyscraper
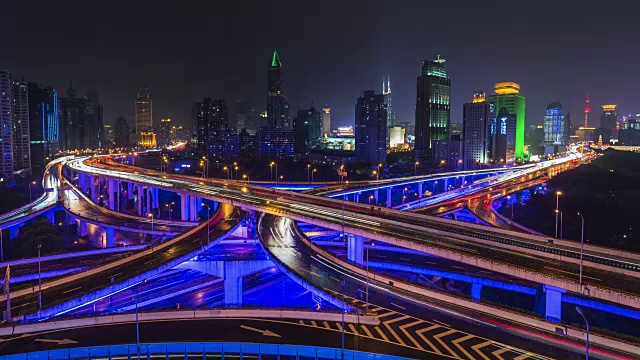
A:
(504, 138)
(432, 108)
(72, 125)
(20, 127)
(164, 133)
(386, 91)
(371, 128)
(608, 120)
(508, 96)
(554, 124)
(6, 146)
(209, 116)
(276, 101)
(122, 132)
(94, 132)
(44, 126)
(475, 131)
(144, 111)
(326, 121)
(307, 126)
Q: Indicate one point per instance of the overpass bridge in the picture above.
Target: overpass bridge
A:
(530, 257)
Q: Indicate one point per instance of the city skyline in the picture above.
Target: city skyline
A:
(117, 69)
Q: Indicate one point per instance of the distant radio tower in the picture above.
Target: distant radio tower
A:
(587, 109)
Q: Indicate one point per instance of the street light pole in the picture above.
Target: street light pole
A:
(581, 245)
(343, 310)
(312, 173)
(558, 193)
(137, 322)
(367, 295)
(39, 281)
(579, 310)
(308, 170)
(151, 216)
(415, 168)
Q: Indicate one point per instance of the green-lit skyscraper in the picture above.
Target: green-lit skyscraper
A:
(508, 96)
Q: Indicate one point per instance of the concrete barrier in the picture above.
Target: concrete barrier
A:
(187, 314)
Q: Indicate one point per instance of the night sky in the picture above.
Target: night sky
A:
(331, 51)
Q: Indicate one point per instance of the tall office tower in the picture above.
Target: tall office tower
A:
(326, 121)
(432, 108)
(72, 124)
(164, 133)
(108, 133)
(44, 126)
(475, 131)
(554, 124)
(122, 132)
(94, 132)
(307, 126)
(371, 128)
(6, 146)
(20, 128)
(386, 91)
(587, 110)
(276, 101)
(210, 116)
(144, 111)
(567, 129)
(508, 96)
(504, 138)
(242, 114)
(608, 123)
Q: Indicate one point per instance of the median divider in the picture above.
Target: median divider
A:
(189, 315)
(497, 312)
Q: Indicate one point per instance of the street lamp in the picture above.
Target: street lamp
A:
(313, 173)
(137, 322)
(31, 183)
(581, 245)
(271, 174)
(229, 172)
(170, 206)
(558, 193)
(151, 216)
(378, 173)
(39, 281)
(579, 310)
(308, 171)
(245, 176)
(510, 203)
(370, 198)
(415, 168)
(236, 168)
(208, 222)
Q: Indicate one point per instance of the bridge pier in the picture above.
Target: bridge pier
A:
(376, 196)
(51, 217)
(83, 229)
(147, 196)
(476, 290)
(389, 197)
(140, 189)
(356, 197)
(14, 231)
(109, 234)
(130, 191)
(549, 302)
(355, 249)
(94, 192)
(420, 193)
(110, 188)
(184, 207)
(156, 199)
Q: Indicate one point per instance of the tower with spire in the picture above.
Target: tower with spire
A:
(276, 100)
(386, 91)
(587, 110)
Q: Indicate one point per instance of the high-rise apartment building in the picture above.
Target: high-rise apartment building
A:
(503, 141)
(44, 125)
(371, 128)
(508, 96)
(6, 146)
(276, 101)
(326, 121)
(307, 126)
(72, 124)
(475, 131)
(554, 124)
(20, 128)
(144, 111)
(209, 117)
(164, 133)
(608, 123)
(275, 143)
(122, 132)
(433, 108)
(94, 132)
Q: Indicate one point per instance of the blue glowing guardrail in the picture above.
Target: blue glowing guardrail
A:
(200, 348)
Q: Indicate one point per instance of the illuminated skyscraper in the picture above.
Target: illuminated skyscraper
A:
(6, 147)
(386, 91)
(371, 128)
(508, 97)
(122, 132)
(432, 108)
(20, 127)
(144, 111)
(326, 121)
(94, 132)
(72, 126)
(276, 102)
(163, 132)
(475, 131)
(44, 126)
(608, 123)
(554, 124)
(209, 116)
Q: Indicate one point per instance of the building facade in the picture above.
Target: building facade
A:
(210, 116)
(608, 123)
(475, 131)
(72, 124)
(371, 128)
(275, 143)
(122, 132)
(20, 128)
(163, 133)
(94, 131)
(504, 138)
(447, 153)
(144, 111)
(508, 96)
(433, 108)
(326, 121)
(44, 125)
(276, 101)
(554, 126)
(6, 145)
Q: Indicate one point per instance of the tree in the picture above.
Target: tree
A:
(40, 232)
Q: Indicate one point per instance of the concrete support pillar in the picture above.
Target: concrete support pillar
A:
(70, 219)
(420, 192)
(375, 195)
(156, 199)
(140, 189)
(232, 284)
(184, 207)
(51, 217)
(147, 196)
(389, 197)
(199, 205)
(553, 303)
(130, 190)
(117, 195)
(193, 208)
(14, 231)
(110, 189)
(92, 186)
(355, 249)
(446, 184)
(356, 197)
(110, 237)
(82, 229)
(476, 289)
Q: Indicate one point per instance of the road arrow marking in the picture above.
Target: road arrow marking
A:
(57, 342)
(457, 344)
(499, 352)
(476, 348)
(263, 332)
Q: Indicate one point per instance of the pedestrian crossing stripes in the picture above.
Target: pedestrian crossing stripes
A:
(427, 336)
